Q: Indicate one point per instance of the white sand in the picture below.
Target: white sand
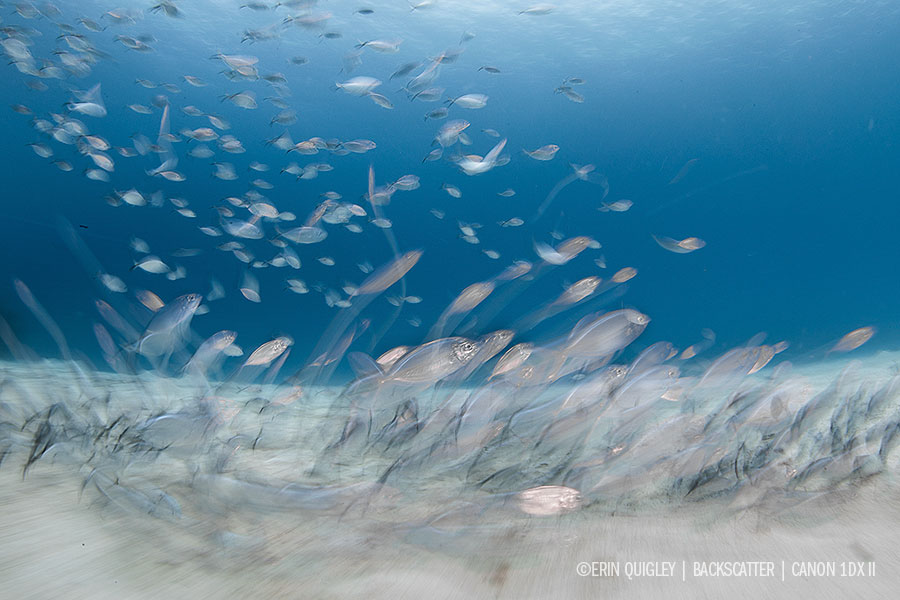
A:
(56, 542)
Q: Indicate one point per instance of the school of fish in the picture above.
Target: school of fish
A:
(479, 417)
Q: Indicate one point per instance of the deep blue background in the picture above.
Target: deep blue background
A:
(790, 112)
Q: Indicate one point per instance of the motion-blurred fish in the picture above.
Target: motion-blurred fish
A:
(543, 153)
(604, 334)
(406, 183)
(854, 339)
(617, 206)
(167, 325)
(250, 287)
(269, 351)
(242, 99)
(405, 69)
(452, 190)
(475, 165)
(449, 132)
(624, 274)
(471, 101)
(358, 86)
(384, 46)
(471, 297)
(151, 264)
(113, 283)
(90, 104)
(388, 275)
(207, 352)
(679, 246)
(432, 361)
(380, 100)
(685, 169)
(538, 10)
(578, 291)
(512, 359)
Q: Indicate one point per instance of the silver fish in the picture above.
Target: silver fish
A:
(679, 246)
(389, 274)
(433, 361)
(605, 334)
(167, 325)
(269, 351)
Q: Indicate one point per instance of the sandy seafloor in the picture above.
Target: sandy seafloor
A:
(59, 541)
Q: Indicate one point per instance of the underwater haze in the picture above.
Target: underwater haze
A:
(307, 284)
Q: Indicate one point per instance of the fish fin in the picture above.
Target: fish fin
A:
(157, 345)
(137, 345)
(581, 324)
(495, 152)
(363, 365)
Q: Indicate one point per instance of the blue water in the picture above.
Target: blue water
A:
(788, 110)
